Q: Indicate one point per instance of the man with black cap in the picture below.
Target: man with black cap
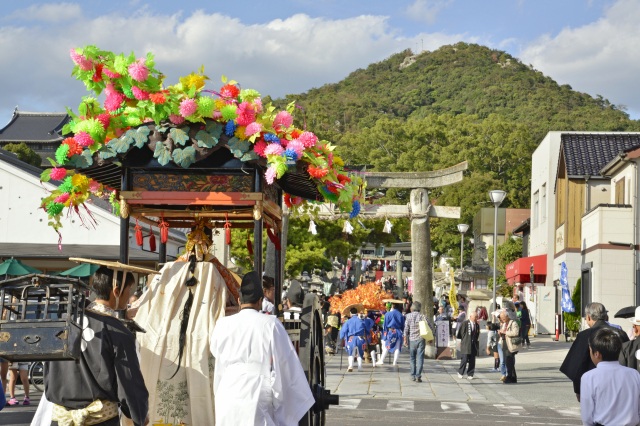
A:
(258, 378)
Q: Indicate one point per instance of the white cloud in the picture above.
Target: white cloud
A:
(53, 12)
(282, 56)
(598, 58)
(427, 10)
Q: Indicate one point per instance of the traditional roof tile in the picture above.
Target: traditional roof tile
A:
(33, 127)
(587, 153)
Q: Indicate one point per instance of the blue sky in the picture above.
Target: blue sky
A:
(291, 46)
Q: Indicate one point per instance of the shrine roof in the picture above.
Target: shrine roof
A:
(34, 127)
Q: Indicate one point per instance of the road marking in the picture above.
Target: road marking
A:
(455, 407)
(568, 412)
(514, 410)
(401, 405)
(350, 404)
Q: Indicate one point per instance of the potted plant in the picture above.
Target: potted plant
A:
(572, 320)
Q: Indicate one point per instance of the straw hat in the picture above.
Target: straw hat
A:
(358, 306)
(117, 266)
(394, 301)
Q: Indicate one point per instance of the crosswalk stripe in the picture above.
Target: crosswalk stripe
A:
(455, 407)
(401, 405)
(514, 410)
(349, 404)
(568, 412)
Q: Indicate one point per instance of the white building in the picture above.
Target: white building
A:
(26, 235)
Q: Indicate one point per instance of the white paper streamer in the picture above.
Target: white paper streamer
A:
(312, 228)
(387, 227)
(347, 228)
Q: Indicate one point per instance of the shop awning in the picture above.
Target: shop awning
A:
(520, 270)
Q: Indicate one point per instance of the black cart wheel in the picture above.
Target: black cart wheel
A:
(36, 375)
(312, 359)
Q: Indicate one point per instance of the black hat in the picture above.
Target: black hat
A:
(251, 288)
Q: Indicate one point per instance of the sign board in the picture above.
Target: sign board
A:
(442, 334)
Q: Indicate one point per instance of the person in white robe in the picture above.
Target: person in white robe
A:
(258, 378)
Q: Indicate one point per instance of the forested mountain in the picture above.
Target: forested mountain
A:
(462, 102)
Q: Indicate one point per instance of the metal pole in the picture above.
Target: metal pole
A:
(495, 255)
(461, 252)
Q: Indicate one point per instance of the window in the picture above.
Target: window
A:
(620, 191)
(480, 283)
(543, 203)
(536, 206)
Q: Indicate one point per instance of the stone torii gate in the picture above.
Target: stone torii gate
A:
(418, 210)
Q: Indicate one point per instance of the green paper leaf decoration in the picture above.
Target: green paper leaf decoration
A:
(83, 160)
(162, 154)
(121, 144)
(184, 157)
(45, 176)
(249, 156)
(141, 136)
(214, 128)
(107, 152)
(238, 147)
(206, 140)
(179, 136)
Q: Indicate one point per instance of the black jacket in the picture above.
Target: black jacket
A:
(469, 343)
(577, 362)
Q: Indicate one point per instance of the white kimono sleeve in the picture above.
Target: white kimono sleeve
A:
(292, 396)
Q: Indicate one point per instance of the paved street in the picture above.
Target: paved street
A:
(386, 395)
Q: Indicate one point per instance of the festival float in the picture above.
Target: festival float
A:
(187, 156)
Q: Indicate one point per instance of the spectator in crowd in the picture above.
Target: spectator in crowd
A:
(578, 360)
(609, 393)
(525, 324)
(469, 335)
(415, 342)
(21, 368)
(269, 290)
(630, 353)
(509, 329)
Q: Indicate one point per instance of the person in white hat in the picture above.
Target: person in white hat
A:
(630, 353)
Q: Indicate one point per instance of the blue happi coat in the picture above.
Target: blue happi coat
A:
(355, 332)
(393, 328)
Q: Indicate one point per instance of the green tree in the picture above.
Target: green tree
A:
(508, 252)
(24, 153)
(573, 319)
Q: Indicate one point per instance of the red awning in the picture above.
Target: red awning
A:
(520, 270)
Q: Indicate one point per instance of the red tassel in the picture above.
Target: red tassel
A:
(227, 230)
(249, 246)
(164, 231)
(139, 237)
(152, 242)
(274, 238)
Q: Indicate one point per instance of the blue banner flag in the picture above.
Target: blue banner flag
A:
(567, 303)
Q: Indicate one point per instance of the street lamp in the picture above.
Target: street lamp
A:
(433, 262)
(462, 228)
(497, 196)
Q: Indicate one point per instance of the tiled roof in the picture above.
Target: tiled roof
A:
(587, 153)
(34, 127)
(11, 158)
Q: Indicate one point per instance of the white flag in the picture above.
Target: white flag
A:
(312, 228)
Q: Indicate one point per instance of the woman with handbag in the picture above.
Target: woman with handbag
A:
(510, 336)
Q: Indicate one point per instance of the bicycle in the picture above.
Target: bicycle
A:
(36, 375)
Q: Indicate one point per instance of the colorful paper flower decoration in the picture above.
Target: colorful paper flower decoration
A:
(134, 94)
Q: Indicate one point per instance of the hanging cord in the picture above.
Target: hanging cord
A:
(186, 311)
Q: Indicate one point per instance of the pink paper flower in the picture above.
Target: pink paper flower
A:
(114, 101)
(58, 173)
(270, 175)
(138, 70)
(84, 63)
(139, 94)
(84, 139)
(259, 148)
(176, 119)
(308, 139)
(246, 114)
(110, 74)
(188, 107)
(94, 186)
(274, 149)
(252, 129)
(296, 146)
(62, 198)
(282, 121)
